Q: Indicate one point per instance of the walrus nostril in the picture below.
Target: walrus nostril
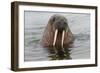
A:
(60, 27)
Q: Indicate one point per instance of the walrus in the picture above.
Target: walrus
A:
(57, 32)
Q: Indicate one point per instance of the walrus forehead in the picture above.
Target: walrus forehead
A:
(61, 20)
(58, 17)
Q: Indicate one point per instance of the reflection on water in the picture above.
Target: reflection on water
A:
(34, 27)
(35, 52)
(59, 53)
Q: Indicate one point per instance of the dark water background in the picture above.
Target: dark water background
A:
(35, 23)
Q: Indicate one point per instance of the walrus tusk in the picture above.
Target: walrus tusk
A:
(62, 41)
(63, 34)
(55, 37)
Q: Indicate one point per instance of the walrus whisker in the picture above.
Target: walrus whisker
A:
(55, 37)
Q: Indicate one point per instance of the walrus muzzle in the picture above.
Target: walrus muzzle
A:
(55, 37)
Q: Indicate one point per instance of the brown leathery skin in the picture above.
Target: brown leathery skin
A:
(48, 35)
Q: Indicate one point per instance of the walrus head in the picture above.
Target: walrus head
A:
(60, 25)
(59, 22)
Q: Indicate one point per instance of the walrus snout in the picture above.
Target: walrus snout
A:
(61, 25)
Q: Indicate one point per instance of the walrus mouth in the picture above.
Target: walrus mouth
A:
(55, 37)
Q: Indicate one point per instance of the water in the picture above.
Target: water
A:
(35, 23)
